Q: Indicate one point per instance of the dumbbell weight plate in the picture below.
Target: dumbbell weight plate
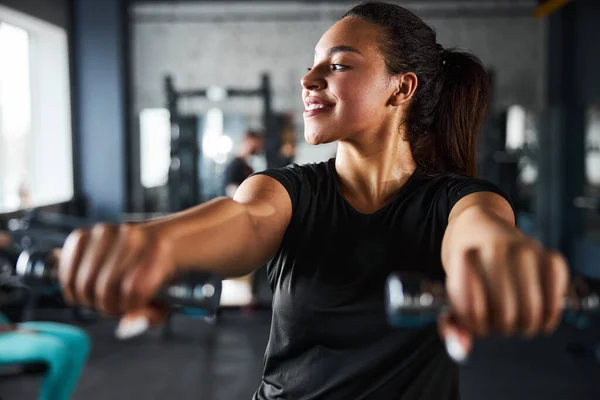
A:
(412, 302)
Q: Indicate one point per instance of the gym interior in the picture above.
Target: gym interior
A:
(115, 111)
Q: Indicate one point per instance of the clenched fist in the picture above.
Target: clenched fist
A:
(511, 285)
(114, 269)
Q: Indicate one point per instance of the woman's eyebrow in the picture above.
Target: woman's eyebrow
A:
(342, 49)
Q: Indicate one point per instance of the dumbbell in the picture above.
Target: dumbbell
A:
(196, 289)
(11, 289)
(412, 301)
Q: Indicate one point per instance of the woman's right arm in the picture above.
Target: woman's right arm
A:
(231, 237)
(119, 268)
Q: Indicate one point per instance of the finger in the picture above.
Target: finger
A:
(501, 288)
(555, 281)
(108, 283)
(70, 258)
(5, 240)
(467, 293)
(54, 256)
(478, 306)
(526, 275)
(143, 281)
(101, 238)
(458, 341)
(157, 314)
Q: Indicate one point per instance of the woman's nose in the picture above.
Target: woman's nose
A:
(313, 81)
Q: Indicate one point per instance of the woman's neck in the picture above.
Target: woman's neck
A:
(371, 171)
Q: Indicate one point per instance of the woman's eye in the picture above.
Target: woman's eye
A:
(334, 67)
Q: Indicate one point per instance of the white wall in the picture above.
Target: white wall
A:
(186, 41)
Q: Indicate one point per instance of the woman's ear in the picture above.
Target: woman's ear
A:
(405, 86)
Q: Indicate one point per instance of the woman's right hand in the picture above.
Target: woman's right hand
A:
(115, 269)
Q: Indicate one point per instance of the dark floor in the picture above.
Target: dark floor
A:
(224, 362)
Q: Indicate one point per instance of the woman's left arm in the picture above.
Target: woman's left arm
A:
(498, 279)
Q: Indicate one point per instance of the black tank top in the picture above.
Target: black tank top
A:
(329, 335)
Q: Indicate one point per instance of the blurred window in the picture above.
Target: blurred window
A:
(592, 143)
(36, 165)
(155, 146)
(521, 139)
(592, 173)
(515, 127)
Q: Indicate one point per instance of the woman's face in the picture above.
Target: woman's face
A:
(347, 91)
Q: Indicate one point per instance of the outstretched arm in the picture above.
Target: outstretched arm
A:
(497, 278)
(116, 269)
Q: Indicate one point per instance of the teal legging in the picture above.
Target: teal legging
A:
(62, 347)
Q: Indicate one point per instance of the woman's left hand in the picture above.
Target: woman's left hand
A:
(511, 286)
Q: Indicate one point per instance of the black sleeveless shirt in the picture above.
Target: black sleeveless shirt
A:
(329, 335)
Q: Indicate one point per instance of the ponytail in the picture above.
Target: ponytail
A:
(461, 108)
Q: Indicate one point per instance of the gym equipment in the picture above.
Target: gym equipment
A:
(587, 203)
(412, 301)
(11, 289)
(60, 348)
(14, 295)
(195, 289)
(183, 181)
(37, 227)
(25, 300)
(35, 218)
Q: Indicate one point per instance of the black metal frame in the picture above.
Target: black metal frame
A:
(188, 147)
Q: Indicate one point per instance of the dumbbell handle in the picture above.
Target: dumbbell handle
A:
(431, 298)
(184, 292)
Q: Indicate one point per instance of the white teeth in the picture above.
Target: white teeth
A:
(314, 106)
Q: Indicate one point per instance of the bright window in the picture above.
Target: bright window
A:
(155, 146)
(521, 137)
(36, 165)
(592, 157)
(15, 115)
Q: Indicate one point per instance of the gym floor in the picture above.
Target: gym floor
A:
(224, 362)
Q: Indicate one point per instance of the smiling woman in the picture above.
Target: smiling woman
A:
(399, 196)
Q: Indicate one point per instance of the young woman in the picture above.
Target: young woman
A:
(400, 195)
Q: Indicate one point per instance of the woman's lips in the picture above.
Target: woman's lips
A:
(315, 105)
(317, 111)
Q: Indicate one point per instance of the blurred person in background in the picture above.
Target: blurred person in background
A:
(239, 168)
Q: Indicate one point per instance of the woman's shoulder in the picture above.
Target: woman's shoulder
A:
(308, 172)
(312, 167)
(297, 178)
(451, 187)
(448, 179)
